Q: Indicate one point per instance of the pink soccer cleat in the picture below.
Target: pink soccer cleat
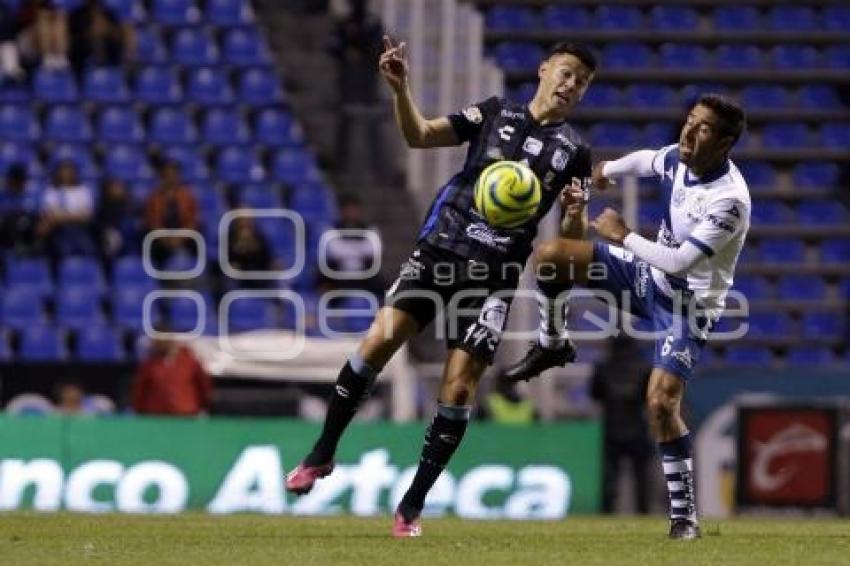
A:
(300, 480)
(404, 529)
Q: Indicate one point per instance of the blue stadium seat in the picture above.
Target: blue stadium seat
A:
(105, 85)
(78, 308)
(772, 212)
(515, 56)
(158, 85)
(835, 135)
(659, 134)
(838, 56)
(228, 13)
(683, 56)
(41, 343)
(239, 165)
(123, 10)
(21, 307)
(503, 18)
(758, 173)
(739, 57)
(30, 273)
(129, 272)
(210, 203)
(784, 135)
(801, 287)
(819, 212)
(793, 18)
(675, 18)
(816, 174)
(836, 17)
(149, 45)
(280, 234)
(193, 166)
(119, 124)
(208, 86)
(17, 123)
(259, 87)
(770, 325)
(754, 287)
(748, 356)
(99, 344)
(810, 357)
(181, 261)
(826, 324)
(844, 288)
(619, 17)
(193, 47)
(251, 314)
(223, 126)
(171, 126)
(782, 251)
(128, 163)
(526, 91)
(79, 155)
(67, 124)
(565, 17)
(736, 18)
(651, 95)
(766, 96)
(127, 305)
(175, 12)
(650, 213)
(55, 86)
(293, 167)
(614, 135)
(277, 128)
(795, 57)
(835, 250)
(244, 47)
(600, 96)
(19, 153)
(312, 199)
(258, 196)
(81, 272)
(819, 97)
(184, 314)
(627, 55)
(6, 353)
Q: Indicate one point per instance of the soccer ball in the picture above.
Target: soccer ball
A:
(507, 194)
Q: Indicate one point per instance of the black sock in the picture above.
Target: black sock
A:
(441, 440)
(352, 387)
(553, 313)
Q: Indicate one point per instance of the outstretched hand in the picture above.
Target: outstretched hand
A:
(610, 226)
(574, 198)
(393, 64)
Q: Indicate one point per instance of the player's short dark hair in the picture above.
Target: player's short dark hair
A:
(580, 51)
(733, 121)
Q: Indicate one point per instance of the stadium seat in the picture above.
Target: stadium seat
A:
(258, 196)
(277, 128)
(128, 163)
(600, 96)
(835, 135)
(55, 86)
(766, 97)
(175, 12)
(193, 166)
(228, 13)
(119, 124)
(770, 325)
(12, 153)
(30, 273)
(659, 134)
(565, 17)
(67, 124)
(651, 95)
(809, 357)
(739, 57)
(244, 47)
(836, 17)
(208, 86)
(158, 85)
(826, 324)
(41, 343)
(150, 48)
(650, 213)
(821, 212)
(795, 57)
(239, 165)
(514, 56)
(526, 91)
(170, 126)
(782, 251)
(251, 313)
(105, 85)
(293, 167)
(21, 307)
(754, 287)
(801, 287)
(783, 135)
(123, 10)
(193, 47)
(627, 55)
(129, 272)
(758, 173)
(210, 203)
(505, 18)
(611, 17)
(80, 156)
(614, 135)
(736, 18)
(78, 308)
(312, 200)
(819, 97)
(793, 18)
(181, 261)
(223, 126)
(683, 56)
(748, 356)
(816, 174)
(835, 250)
(127, 305)
(184, 313)
(259, 87)
(677, 18)
(17, 123)
(99, 344)
(838, 56)
(772, 212)
(81, 272)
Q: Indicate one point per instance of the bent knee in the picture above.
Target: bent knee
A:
(662, 405)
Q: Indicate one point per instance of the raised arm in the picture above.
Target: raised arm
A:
(639, 163)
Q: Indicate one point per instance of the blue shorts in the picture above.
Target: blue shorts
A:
(679, 341)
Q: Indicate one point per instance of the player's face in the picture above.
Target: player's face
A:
(563, 80)
(701, 141)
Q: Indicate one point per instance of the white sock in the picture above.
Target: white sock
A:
(553, 321)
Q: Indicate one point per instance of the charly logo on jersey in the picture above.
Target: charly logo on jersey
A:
(481, 232)
(505, 132)
(512, 114)
(695, 205)
(473, 114)
(532, 145)
(559, 160)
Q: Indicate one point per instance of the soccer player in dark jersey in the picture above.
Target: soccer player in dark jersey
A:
(462, 270)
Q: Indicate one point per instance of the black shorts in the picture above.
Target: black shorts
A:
(469, 299)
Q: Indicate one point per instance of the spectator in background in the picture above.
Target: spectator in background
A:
(10, 60)
(619, 385)
(356, 44)
(171, 381)
(353, 252)
(67, 213)
(248, 250)
(20, 204)
(98, 37)
(171, 206)
(51, 32)
(116, 223)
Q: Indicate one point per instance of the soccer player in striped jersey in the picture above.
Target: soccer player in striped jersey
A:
(679, 282)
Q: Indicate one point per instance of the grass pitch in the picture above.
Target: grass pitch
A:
(28, 538)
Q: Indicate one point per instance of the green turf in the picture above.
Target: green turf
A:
(27, 538)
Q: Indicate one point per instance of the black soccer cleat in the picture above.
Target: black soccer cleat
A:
(538, 359)
(683, 529)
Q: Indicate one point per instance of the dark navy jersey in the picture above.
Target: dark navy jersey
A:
(497, 129)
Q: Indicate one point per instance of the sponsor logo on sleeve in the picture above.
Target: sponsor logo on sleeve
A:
(472, 114)
(532, 146)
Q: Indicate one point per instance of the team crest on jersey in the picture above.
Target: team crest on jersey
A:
(559, 160)
(678, 196)
(532, 146)
(473, 114)
(696, 206)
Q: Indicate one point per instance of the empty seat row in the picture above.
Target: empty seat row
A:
(790, 287)
(172, 12)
